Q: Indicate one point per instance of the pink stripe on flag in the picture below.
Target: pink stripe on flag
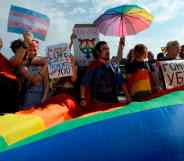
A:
(27, 27)
(31, 18)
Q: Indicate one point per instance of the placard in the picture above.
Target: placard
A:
(87, 37)
(59, 61)
(173, 72)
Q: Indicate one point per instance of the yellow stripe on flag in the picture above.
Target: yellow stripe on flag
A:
(140, 86)
(16, 127)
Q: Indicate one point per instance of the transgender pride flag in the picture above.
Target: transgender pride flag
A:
(22, 19)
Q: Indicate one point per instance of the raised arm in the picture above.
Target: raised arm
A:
(72, 37)
(74, 69)
(121, 48)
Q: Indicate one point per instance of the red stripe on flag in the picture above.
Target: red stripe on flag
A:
(32, 18)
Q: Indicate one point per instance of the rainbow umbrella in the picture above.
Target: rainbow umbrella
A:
(124, 20)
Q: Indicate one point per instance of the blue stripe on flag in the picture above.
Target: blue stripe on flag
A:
(21, 30)
(28, 12)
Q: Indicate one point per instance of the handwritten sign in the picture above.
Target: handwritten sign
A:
(173, 72)
(87, 37)
(59, 61)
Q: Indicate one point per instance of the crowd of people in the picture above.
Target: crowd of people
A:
(24, 80)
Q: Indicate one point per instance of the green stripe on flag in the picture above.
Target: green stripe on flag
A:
(2, 143)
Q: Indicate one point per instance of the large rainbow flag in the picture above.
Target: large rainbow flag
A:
(150, 130)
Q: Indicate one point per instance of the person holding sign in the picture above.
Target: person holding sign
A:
(172, 50)
(102, 81)
(63, 74)
(65, 85)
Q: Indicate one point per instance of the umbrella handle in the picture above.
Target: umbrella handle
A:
(122, 40)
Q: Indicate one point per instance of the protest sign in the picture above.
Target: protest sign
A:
(59, 61)
(87, 37)
(22, 19)
(173, 72)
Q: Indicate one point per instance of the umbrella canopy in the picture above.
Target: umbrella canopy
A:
(124, 20)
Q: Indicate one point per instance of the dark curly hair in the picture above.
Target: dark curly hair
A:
(16, 44)
(97, 49)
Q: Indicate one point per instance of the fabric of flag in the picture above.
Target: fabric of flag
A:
(140, 84)
(22, 19)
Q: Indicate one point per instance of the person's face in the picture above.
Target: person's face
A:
(105, 53)
(114, 61)
(1, 43)
(182, 50)
(145, 53)
(131, 56)
(173, 51)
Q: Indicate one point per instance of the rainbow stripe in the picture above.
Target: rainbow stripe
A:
(124, 20)
(15, 127)
(22, 19)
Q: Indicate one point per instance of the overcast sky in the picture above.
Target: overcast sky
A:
(168, 21)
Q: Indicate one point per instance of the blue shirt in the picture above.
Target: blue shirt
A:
(103, 82)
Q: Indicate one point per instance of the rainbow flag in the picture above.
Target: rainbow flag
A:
(22, 19)
(140, 131)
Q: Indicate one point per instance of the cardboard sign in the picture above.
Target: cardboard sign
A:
(59, 61)
(87, 37)
(173, 72)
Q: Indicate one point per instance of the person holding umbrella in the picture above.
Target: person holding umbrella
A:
(122, 21)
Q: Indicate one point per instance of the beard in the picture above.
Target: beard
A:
(107, 56)
(106, 59)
